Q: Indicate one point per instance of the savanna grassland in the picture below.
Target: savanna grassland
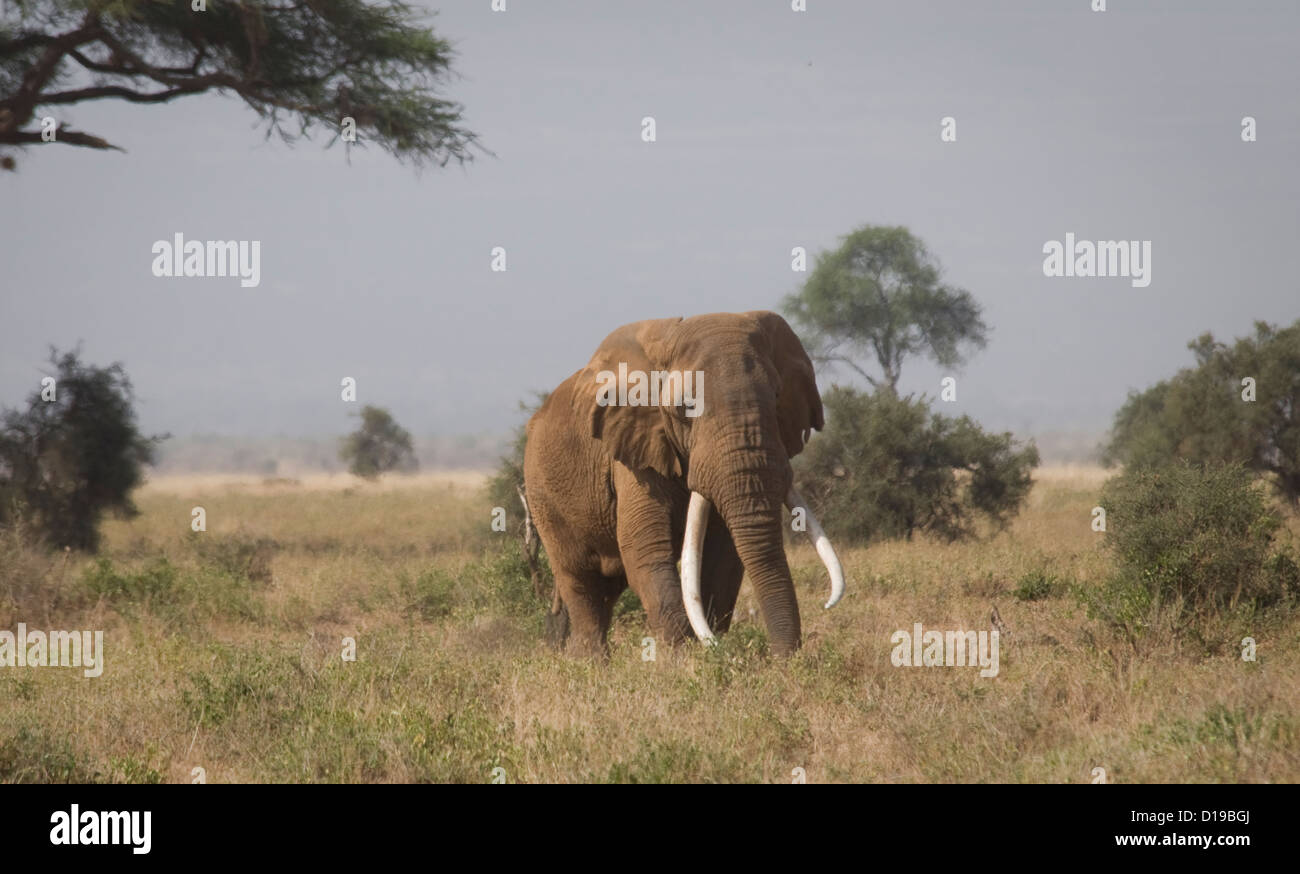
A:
(223, 651)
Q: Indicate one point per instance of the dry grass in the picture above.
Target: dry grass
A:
(223, 652)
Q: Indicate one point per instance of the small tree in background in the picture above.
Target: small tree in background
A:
(380, 445)
(887, 467)
(66, 461)
(1201, 416)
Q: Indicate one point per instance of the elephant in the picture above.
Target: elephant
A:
(620, 485)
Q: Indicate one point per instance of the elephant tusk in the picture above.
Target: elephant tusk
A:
(697, 520)
(823, 544)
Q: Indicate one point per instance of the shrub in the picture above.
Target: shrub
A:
(1194, 539)
(73, 454)
(1200, 415)
(155, 583)
(31, 755)
(498, 583)
(502, 487)
(886, 467)
(241, 555)
(163, 589)
(1035, 586)
(378, 446)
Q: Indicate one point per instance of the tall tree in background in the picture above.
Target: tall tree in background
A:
(887, 467)
(297, 63)
(880, 296)
(73, 454)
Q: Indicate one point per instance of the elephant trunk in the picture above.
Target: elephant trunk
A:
(748, 484)
(772, 579)
(756, 531)
(757, 535)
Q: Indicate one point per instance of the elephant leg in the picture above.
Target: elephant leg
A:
(648, 545)
(721, 572)
(589, 599)
(659, 587)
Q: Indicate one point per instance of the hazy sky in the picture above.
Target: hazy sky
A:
(775, 129)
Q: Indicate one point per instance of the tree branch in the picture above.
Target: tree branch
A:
(122, 92)
(842, 360)
(26, 99)
(62, 135)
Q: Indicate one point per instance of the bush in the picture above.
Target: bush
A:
(72, 455)
(502, 488)
(1035, 586)
(498, 583)
(1200, 415)
(1193, 539)
(886, 467)
(378, 446)
(154, 583)
(33, 756)
(160, 588)
(240, 554)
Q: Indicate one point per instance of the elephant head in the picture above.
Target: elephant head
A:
(754, 405)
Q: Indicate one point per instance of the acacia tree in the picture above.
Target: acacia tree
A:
(880, 296)
(887, 466)
(297, 63)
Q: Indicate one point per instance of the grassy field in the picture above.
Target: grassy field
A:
(223, 651)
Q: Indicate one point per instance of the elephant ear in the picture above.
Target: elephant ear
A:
(799, 407)
(637, 436)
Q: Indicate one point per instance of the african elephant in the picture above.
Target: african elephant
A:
(621, 484)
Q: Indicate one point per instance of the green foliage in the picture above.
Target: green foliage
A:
(502, 487)
(34, 756)
(160, 588)
(297, 65)
(380, 445)
(65, 462)
(670, 761)
(156, 582)
(240, 681)
(239, 555)
(1199, 414)
(497, 584)
(432, 595)
(886, 467)
(1036, 585)
(1193, 540)
(880, 295)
